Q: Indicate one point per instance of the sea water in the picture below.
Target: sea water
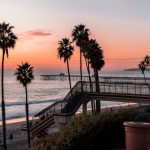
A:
(41, 93)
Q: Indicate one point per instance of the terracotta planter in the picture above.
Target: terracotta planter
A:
(137, 135)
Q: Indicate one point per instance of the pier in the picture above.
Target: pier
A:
(123, 79)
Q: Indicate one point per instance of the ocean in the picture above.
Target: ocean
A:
(41, 93)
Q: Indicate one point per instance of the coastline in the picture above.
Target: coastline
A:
(114, 106)
(16, 120)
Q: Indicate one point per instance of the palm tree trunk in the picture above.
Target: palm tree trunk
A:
(81, 70)
(69, 76)
(27, 116)
(3, 102)
(88, 70)
(98, 105)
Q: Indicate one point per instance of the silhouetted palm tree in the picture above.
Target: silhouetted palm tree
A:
(143, 66)
(24, 74)
(7, 40)
(65, 51)
(80, 35)
(97, 62)
(87, 49)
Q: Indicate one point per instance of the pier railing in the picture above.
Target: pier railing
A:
(102, 78)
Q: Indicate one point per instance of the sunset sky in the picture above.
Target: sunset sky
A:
(122, 28)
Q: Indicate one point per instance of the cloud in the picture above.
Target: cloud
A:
(38, 33)
(31, 34)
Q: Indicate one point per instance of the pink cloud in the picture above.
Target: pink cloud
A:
(28, 35)
(38, 33)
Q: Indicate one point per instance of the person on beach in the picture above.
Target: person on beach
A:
(11, 136)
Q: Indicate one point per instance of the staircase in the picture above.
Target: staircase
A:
(67, 107)
(110, 91)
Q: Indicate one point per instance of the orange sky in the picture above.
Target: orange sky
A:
(44, 54)
(120, 27)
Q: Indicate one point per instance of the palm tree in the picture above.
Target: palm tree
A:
(80, 36)
(143, 66)
(87, 47)
(24, 74)
(95, 56)
(65, 51)
(7, 40)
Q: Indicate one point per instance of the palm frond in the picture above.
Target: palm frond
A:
(24, 73)
(7, 37)
(65, 49)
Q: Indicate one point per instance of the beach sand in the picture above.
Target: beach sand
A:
(19, 141)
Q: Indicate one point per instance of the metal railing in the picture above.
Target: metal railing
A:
(58, 106)
(74, 97)
(105, 87)
(120, 88)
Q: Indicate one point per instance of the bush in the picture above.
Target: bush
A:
(104, 131)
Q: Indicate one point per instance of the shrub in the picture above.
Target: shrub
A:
(104, 131)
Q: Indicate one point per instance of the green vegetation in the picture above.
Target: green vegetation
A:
(7, 41)
(24, 74)
(104, 131)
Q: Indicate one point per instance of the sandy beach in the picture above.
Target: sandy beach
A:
(19, 141)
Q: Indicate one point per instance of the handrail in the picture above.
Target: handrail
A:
(42, 125)
(52, 108)
(49, 107)
(103, 88)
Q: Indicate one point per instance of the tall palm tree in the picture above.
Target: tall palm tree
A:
(65, 51)
(86, 50)
(80, 35)
(97, 62)
(24, 74)
(7, 40)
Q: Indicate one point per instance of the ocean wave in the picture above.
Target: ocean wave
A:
(30, 103)
(16, 116)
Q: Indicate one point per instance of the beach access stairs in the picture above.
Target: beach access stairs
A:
(59, 112)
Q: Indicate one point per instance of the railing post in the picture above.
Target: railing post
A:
(109, 87)
(54, 108)
(127, 88)
(86, 86)
(61, 106)
(140, 89)
(115, 87)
